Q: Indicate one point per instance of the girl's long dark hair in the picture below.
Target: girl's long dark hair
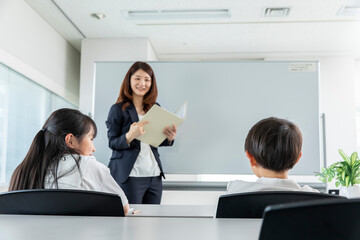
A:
(48, 147)
(125, 94)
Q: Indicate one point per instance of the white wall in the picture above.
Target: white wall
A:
(98, 50)
(338, 103)
(357, 99)
(30, 46)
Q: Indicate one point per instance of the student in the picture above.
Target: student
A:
(273, 147)
(60, 156)
(135, 165)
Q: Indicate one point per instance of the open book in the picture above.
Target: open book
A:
(159, 118)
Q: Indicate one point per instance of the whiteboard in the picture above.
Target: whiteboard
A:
(225, 99)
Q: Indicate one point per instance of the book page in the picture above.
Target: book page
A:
(181, 112)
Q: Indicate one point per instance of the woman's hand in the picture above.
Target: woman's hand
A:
(170, 132)
(136, 130)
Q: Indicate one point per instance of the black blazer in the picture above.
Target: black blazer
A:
(123, 156)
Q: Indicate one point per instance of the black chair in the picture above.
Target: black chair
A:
(61, 202)
(252, 204)
(320, 219)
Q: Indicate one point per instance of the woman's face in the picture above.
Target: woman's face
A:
(140, 83)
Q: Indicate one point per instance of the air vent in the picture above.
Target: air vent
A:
(276, 12)
(349, 11)
(177, 14)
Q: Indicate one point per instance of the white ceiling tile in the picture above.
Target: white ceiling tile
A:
(312, 26)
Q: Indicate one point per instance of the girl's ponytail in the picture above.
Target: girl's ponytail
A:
(26, 175)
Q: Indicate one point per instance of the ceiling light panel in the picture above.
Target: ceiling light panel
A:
(176, 14)
(349, 11)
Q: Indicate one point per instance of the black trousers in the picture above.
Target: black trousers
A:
(143, 190)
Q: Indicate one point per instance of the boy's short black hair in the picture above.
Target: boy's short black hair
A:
(274, 143)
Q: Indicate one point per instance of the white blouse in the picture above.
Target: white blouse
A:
(145, 164)
(91, 175)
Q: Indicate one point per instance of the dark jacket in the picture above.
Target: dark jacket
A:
(124, 156)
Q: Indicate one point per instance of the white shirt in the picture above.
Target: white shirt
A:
(91, 175)
(267, 184)
(145, 164)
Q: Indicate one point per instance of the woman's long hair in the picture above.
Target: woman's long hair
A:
(48, 147)
(125, 95)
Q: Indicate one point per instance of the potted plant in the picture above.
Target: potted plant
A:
(346, 173)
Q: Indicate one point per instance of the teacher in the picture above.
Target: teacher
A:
(135, 165)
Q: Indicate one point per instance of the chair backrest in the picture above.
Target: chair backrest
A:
(61, 202)
(319, 219)
(252, 204)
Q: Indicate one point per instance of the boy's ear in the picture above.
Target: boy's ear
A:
(251, 159)
(69, 140)
(299, 157)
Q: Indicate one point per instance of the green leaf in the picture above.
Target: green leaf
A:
(356, 165)
(353, 158)
(346, 172)
(322, 179)
(347, 181)
(344, 165)
(344, 156)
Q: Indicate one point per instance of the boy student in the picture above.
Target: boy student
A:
(273, 147)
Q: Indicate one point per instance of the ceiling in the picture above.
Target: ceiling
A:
(312, 28)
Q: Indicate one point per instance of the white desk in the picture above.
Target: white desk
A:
(192, 211)
(19, 227)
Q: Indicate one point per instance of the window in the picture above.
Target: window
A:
(24, 107)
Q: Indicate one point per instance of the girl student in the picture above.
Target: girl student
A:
(135, 165)
(60, 156)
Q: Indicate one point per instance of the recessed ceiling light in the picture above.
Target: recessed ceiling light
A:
(349, 11)
(98, 16)
(177, 14)
(276, 12)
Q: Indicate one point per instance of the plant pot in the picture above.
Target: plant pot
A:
(350, 192)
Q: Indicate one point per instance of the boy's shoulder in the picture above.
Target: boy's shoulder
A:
(240, 186)
(266, 184)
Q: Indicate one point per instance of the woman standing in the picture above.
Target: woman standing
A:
(135, 165)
